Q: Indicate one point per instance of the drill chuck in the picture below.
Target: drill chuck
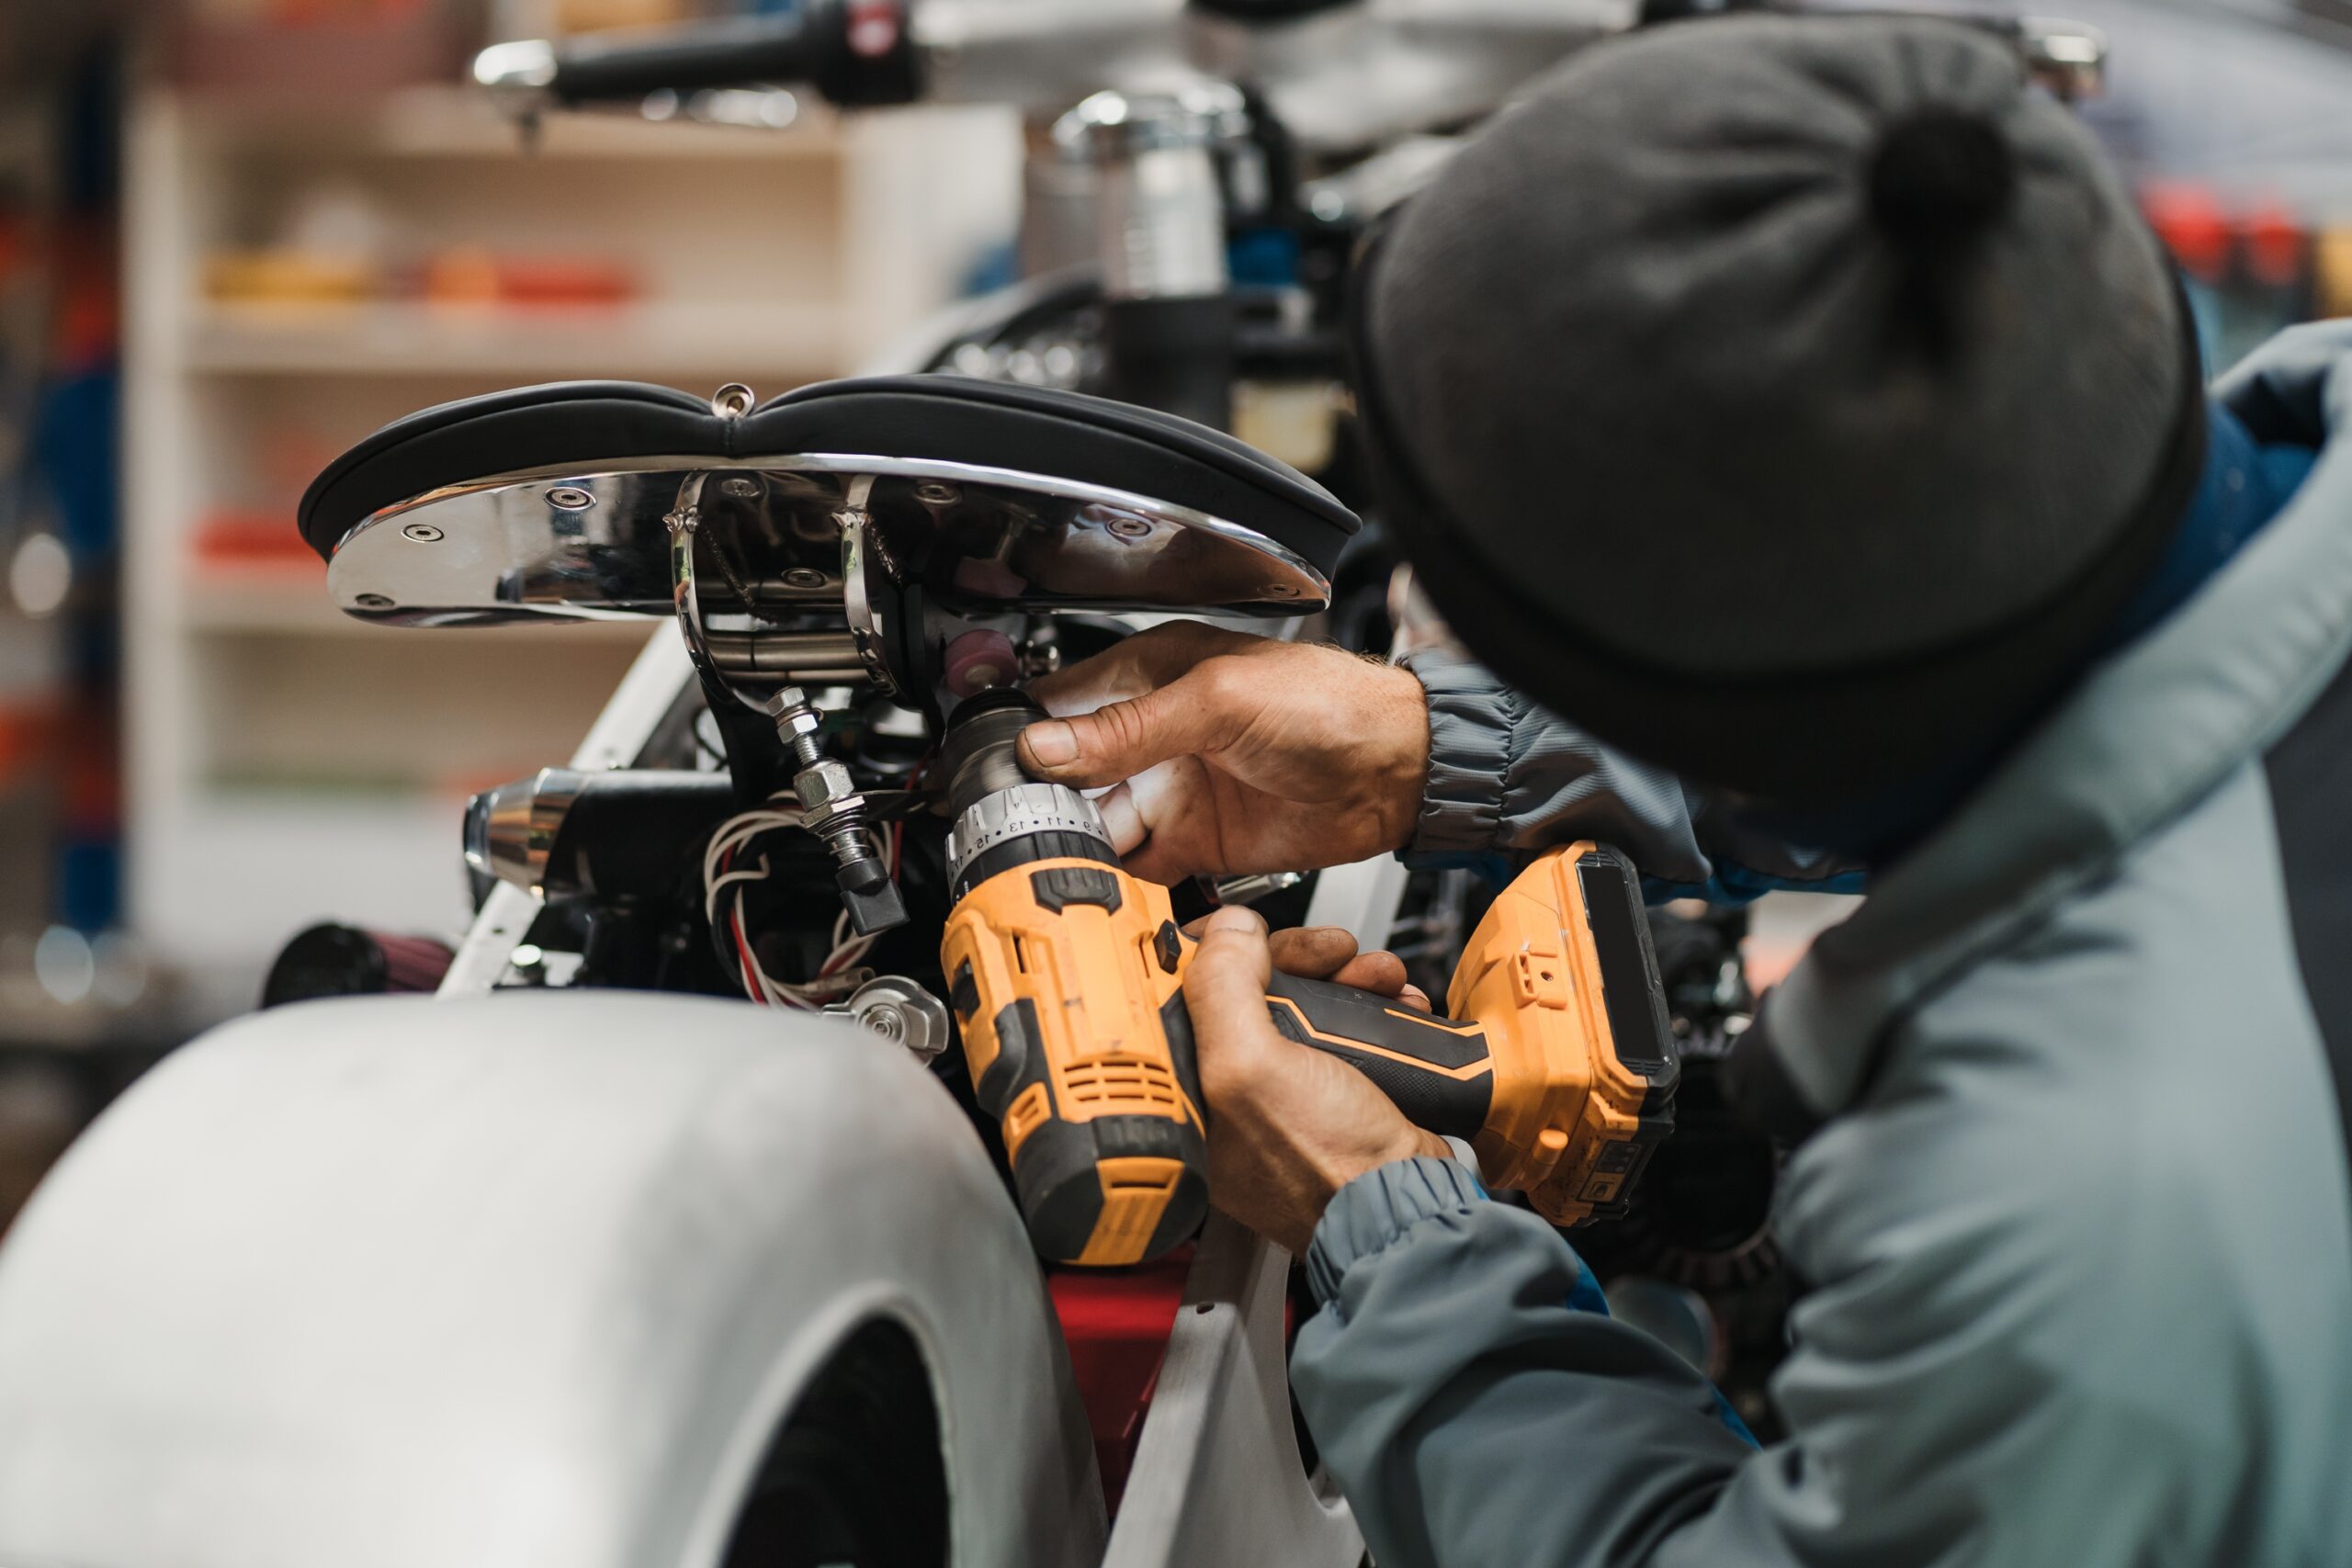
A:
(1002, 816)
(999, 829)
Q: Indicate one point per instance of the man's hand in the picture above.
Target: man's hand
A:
(1288, 1126)
(1237, 753)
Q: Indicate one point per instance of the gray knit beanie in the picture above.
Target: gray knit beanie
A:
(1794, 402)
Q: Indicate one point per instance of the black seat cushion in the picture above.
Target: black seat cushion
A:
(580, 425)
(561, 424)
(1067, 434)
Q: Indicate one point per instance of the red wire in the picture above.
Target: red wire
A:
(743, 948)
(735, 920)
(898, 828)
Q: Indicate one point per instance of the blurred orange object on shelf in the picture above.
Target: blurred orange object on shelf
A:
(231, 540)
(596, 16)
(2274, 246)
(2189, 220)
(2332, 272)
(28, 731)
(468, 274)
(288, 278)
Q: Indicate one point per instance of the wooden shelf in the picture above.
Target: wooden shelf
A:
(798, 342)
(767, 257)
(435, 122)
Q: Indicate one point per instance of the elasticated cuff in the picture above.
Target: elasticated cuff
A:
(1470, 724)
(1375, 1210)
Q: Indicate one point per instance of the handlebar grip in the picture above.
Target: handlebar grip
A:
(715, 54)
(1440, 1073)
(854, 54)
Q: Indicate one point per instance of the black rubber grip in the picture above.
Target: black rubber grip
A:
(809, 45)
(1437, 1072)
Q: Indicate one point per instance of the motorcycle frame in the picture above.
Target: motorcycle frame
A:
(1218, 1476)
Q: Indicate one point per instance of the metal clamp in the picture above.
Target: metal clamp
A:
(896, 1008)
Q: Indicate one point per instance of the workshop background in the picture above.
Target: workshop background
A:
(235, 235)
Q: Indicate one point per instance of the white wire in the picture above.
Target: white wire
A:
(837, 973)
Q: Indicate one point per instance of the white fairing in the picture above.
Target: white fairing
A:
(527, 1280)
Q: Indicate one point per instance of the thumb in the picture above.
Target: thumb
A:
(1225, 985)
(1121, 740)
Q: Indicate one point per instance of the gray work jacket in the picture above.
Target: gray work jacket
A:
(2073, 1208)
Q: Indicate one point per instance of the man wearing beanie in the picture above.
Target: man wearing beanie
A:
(1798, 425)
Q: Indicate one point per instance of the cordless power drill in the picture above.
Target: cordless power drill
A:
(1558, 1062)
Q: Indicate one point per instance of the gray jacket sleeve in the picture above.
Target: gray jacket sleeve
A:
(1507, 776)
(1470, 1415)
(1997, 1254)
(1473, 1419)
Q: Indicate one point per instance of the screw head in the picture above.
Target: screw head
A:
(803, 577)
(570, 497)
(932, 493)
(1117, 523)
(1283, 590)
(731, 399)
(373, 602)
(423, 533)
(740, 487)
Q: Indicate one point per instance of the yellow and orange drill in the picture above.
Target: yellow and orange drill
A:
(1556, 1061)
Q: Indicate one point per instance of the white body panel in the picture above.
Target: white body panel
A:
(528, 1279)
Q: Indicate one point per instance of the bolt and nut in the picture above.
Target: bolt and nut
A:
(900, 1011)
(823, 787)
(793, 716)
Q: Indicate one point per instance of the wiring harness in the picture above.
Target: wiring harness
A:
(723, 885)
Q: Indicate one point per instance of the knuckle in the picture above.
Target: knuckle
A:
(1123, 724)
(1225, 681)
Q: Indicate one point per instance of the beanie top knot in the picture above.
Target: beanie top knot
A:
(1940, 176)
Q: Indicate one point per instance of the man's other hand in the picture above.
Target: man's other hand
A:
(1236, 753)
(1288, 1126)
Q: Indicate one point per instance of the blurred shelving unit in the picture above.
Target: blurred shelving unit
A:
(287, 763)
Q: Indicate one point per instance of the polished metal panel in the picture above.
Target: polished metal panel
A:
(521, 547)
